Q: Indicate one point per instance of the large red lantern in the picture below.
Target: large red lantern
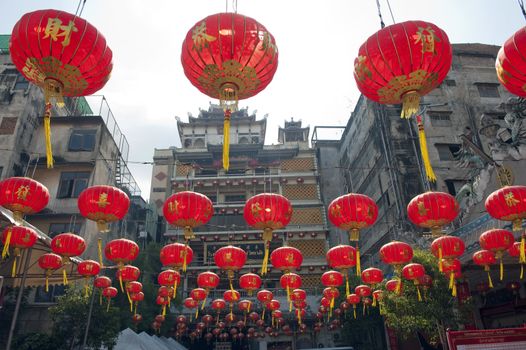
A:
(447, 248)
(188, 210)
(169, 278)
(67, 245)
(230, 259)
(497, 241)
(414, 272)
(176, 256)
(509, 204)
(396, 254)
(121, 251)
(510, 66)
(485, 258)
(433, 210)
(402, 62)
(102, 282)
(250, 282)
(342, 257)
(353, 212)
(49, 262)
(230, 57)
(18, 237)
(87, 269)
(103, 204)
(267, 212)
(23, 196)
(62, 54)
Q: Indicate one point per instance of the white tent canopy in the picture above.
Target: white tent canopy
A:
(129, 340)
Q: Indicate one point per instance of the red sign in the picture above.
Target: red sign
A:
(494, 339)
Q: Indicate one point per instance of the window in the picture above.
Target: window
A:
(187, 143)
(55, 291)
(450, 82)
(235, 172)
(255, 139)
(159, 189)
(453, 186)
(21, 83)
(488, 90)
(261, 171)
(212, 197)
(57, 228)
(82, 140)
(243, 140)
(440, 118)
(207, 172)
(447, 151)
(233, 198)
(72, 183)
(199, 143)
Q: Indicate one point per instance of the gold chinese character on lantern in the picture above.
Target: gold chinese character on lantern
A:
(267, 43)
(200, 37)
(361, 69)
(428, 38)
(56, 30)
(255, 209)
(228, 257)
(173, 207)
(336, 211)
(511, 201)
(102, 202)
(22, 192)
(422, 210)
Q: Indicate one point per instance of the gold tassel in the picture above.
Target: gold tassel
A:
(263, 315)
(120, 281)
(522, 258)
(364, 307)
(47, 133)
(358, 265)
(440, 266)
(188, 233)
(522, 271)
(451, 279)
(245, 317)
(108, 307)
(374, 300)
(196, 312)
(129, 300)
(354, 309)
(423, 149)
(454, 290)
(6, 244)
(398, 287)
(501, 269)
(347, 287)
(175, 289)
(410, 104)
(13, 270)
(517, 225)
(99, 248)
(136, 303)
(489, 279)
(100, 296)
(184, 256)
(204, 302)
(164, 310)
(64, 277)
(47, 282)
(380, 310)
(331, 307)
(267, 237)
(418, 292)
(102, 226)
(226, 140)
(299, 317)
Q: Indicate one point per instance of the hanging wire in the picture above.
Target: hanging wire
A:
(77, 13)
(382, 24)
(521, 5)
(390, 11)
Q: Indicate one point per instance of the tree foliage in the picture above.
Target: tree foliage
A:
(406, 315)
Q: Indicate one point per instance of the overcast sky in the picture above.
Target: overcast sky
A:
(317, 41)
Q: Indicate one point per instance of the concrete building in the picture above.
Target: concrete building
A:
(473, 133)
(287, 168)
(89, 149)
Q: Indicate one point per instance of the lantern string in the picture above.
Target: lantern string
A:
(382, 24)
(521, 5)
(390, 11)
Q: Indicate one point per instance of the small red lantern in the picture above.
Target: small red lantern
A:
(447, 248)
(425, 281)
(88, 268)
(396, 254)
(353, 212)
(102, 282)
(218, 305)
(510, 65)
(109, 293)
(169, 278)
(451, 267)
(198, 294)
(354, 300)
(127, 273)
(363, 291)
(103, 204)
(176, 256)
(289, 282)
(231, 57)
(134, 287)
(394, 285)
(207, 280)
(190, 303)
(230, 259)
(286, 259)
(264, 296)
(18, 237)
(267, 212)
(332, 279)
(250, 282)
(372, 276)
(515, 251)
(188, 210)
(497, 241)
(121, 251)
(231, 296)
(49, 262)
(433, 210)
(485, 258)
(67, 245)
(342, 257)
(413, 272)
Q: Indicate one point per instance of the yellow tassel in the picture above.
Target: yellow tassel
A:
(13, 270)
(423, 148)
(263, 315)
(418, 292)
(245, 318)
(440, 267)
(299, 317)
(100, 295)
(489, 280)
(6, 244)
(354, 310)
(410, 104)
(102, 226)
(290, 305)
(47, 133)
(501, 269)
(175, 289)
(380, 310)
(522, 257)
(204, 303)
(451, 280)
(226, 140)
(164, 310)
(267, 237)
(517, 225)
(347, 287)
(99, 247)
(108, 306)
(86, 289)
(47, 283)
(332, 307)
(129, 300)
(120, 282)
(522, 271)
(358, 265)
(184, 256)
(136, 303)
(249, 305)
(364, 307)
(454, 290)
(398, 287)
(288, 293)
(196, 312)
(64, 277)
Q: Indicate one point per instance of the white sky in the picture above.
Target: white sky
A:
(317, 43)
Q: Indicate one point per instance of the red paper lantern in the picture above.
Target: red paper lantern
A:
(286, 259)
(62, 54)
(68, 245)
(244, 305)
(510, 64)
(218, 304)
(23, 196)
(273, 305)
(137, 318)
(353, 212)
(49, 262)
(298, 294)
(103, 204)
(231, 296)
(363, 291)
(264, 296)
(267, 212)
(176, 256)
(128, 273)
(413, 272)
(18, 237)
(102, 282)
(207, 280)
(372, 276)
(332, 279)
(250, 282)
(88, 268)
(497, 241)
(342, 257)
(169, 278)
(230, 259)
(231, 57)
(485, 258)
(190, 303)
(354, 300)
(394, 285)
(508, 204)
(425, 281)
(396, 254)
(448, 248)
(433, 210)
(289, 282)
(134, 287)
(109, 293)
(121, 251)
(198, 294)
(188, 210)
